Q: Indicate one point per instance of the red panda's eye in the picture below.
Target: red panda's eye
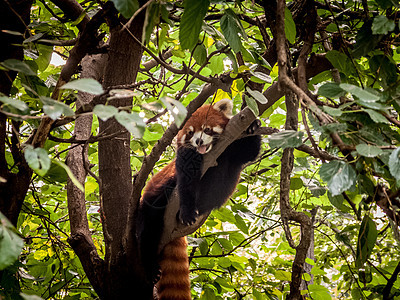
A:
(208, 131)
(190, 133)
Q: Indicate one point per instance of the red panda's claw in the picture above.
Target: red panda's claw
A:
(188, 219)
(253, 126)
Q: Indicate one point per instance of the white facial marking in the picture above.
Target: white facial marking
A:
(201, 141)
(183, 138)
(217, 129)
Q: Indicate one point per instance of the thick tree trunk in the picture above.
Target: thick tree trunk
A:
(115, 171)
(14, 16)
(80, 239)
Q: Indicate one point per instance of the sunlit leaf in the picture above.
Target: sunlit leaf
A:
(37, 159)
(286, 139)
(18, 104)
(177, 110)
(132, 122)
(252, 105)
(87, 85)
(368, 150)
(339, 176)
(319, 292)
(104, 112)
(362, 94)
(257, 95)
(54, 109)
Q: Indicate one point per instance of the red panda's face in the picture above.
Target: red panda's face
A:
(205, 125)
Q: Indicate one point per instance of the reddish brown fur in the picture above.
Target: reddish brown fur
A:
(174, 263)
(158, 181)
(174, 283)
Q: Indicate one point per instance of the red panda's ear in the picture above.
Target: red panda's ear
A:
(225, 106)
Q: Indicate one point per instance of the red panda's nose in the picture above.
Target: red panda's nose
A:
(199, 142)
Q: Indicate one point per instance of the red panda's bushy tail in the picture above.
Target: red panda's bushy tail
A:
(174, 283)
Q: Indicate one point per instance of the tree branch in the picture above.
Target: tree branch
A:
(386, 291)
(86, 41)
(287, 161)
(81, 240)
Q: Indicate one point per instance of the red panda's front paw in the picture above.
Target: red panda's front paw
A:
(253, 126)
(188, 218)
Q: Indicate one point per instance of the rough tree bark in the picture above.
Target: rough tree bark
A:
(80, 239)
(115, 171)
(14, 16)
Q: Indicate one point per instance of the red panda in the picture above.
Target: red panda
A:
(198, 194)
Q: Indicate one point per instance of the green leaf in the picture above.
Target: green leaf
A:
(368, 150)
(258, 295)
(331, 90)
(394, 163)
(132, 122)
(296, 183)
(10, 243)
(382, 25)
(337, 201)
(191, 22)
(257, 95)
(231, 27)
(384, 67)
(261, 76)
(224, 262)
(366, 240)
(340, 61)
(19, 66)
(319, 292)
(335, 112)
(71, 175)
(87, 85)
(126, 7)
(283, 275)
(339, 176)
(31, 297)
(176, 108)
(372, 105)
(17, 104)
(290, 27)
(37, 159)
(376, 116)
(362, 94)
(252, 105)
(200, 54)
(365, 40)
(104, 112)
(286, 139)
(152, 19)
(54, 109)
(241, 224)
